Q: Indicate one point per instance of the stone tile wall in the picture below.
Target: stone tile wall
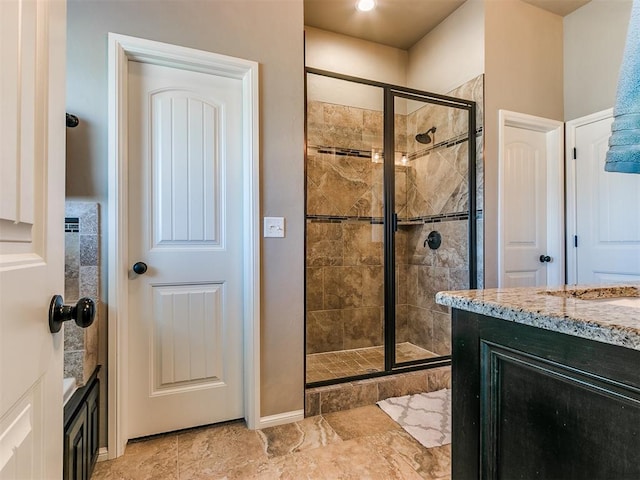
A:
(82, 265)
(345, 235)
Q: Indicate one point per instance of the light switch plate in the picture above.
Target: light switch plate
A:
(274, 227)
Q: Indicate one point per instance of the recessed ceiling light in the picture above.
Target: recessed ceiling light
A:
(365, 5)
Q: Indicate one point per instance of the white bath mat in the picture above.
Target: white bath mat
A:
(425, 416)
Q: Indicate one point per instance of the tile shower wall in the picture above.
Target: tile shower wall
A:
(345, 232)
(437, 200)
(81, 272)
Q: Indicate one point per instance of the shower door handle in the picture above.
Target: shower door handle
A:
(395, 222)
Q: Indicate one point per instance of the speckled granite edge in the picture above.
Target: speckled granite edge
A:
(565, 310)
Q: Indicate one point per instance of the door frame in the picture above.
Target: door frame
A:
(571, 179)
(123, 48)
(555, 187)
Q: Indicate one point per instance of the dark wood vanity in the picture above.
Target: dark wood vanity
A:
(81, 430)
(532, 402)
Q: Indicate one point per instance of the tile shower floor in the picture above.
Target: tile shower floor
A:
(353, 444)
(359, 361)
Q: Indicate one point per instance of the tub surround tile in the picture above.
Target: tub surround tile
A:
(89, 279)
(88, 250)
(82, 260)
(74, 365)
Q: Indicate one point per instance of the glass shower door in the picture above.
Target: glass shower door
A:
(431, 161)
(344, 229)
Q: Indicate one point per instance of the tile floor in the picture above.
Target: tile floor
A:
(363, 443)
(358, 361)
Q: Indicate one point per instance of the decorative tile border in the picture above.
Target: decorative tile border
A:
(354, 152)
(82, 270)
(444, 217)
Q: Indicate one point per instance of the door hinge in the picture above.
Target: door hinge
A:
(575, 241)
(575, 153)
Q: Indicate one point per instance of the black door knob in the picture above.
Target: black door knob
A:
(140, 268)
(545, 258)
(82, 312)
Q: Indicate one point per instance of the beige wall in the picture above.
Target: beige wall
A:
(523, 73)
(352, 56)
(594, 37)
(451, 54)
(267, 31)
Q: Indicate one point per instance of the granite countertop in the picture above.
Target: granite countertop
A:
(595, 313)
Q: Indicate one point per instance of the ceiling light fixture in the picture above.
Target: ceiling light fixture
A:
(365, 5)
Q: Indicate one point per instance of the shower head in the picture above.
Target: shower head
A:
(424, 137)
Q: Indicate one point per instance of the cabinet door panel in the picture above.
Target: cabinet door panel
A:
(75, 439)
(543, 420)
(93, 425)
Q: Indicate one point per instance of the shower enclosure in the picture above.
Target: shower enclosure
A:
(390, 221)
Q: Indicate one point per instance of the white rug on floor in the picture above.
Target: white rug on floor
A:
(425, 416)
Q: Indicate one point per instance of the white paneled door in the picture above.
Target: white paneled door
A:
(531, 250)
(32, 135)
(607, 212)
(185, 229)
(525, 206)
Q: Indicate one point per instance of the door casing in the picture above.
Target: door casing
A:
(122, 49)
(555, 188)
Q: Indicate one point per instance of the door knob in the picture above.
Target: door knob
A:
(82, 312)
(545, 258)
(140, 268)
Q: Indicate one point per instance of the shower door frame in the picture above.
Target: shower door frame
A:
(390, 92)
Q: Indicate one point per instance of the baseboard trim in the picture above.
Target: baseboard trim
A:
(103, 454)
(281, 419)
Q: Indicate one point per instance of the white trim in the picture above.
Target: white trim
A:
(281, 419)
(555, 192)
(570, 168)
(122, 49)
(103, 454)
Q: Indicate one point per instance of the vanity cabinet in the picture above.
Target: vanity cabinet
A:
(530, 403)
(81, 431)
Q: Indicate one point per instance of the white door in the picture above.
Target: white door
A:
(32, 92)
(185, 224)
(530, 202)
(607, 211)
